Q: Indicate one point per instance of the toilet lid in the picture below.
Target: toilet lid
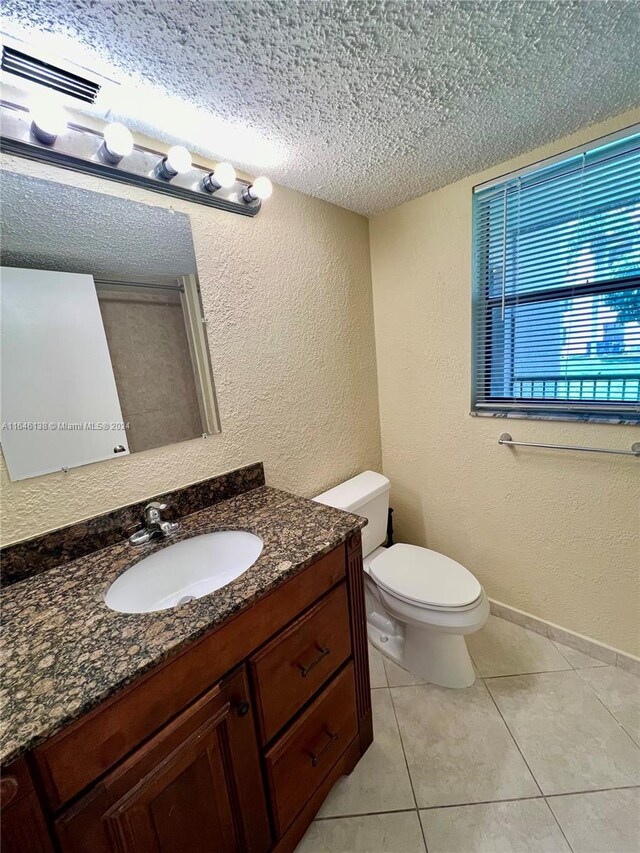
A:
(424, 577)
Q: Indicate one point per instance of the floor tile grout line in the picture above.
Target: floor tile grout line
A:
(419, 809)
(617, 722)
(415, 811)
(561, 652)
(371, 648)
(364, 814)
(480, 803)
(384, 668)
(547, 798)
(522, 674)
(536, 797)
(483, 678)
(406, 764)
(404, 754)
(570, 665)
(501, 717)
(609, 711)
(598, 665)
(424, 834)
(569, 668)
(513, 738)
(592, 791)
(555, 642)
(559, 825)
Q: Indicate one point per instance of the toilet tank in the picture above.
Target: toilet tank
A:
(365, 494)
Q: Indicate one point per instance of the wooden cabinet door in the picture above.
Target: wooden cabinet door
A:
(195, 787)
(22, 824)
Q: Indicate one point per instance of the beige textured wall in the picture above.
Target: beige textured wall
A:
(288, 298)
(555, 534)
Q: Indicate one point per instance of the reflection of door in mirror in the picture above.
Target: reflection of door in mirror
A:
(59, 401)
(151, 356)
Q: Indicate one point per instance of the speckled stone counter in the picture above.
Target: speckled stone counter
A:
(64, 651)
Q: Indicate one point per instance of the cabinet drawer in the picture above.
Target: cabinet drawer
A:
(299, 761)
(293, 666)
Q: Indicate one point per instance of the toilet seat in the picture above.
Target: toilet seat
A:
(425, 578)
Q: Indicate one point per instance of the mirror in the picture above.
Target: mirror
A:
(103, 344)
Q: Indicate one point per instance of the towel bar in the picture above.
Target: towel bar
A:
(506, 439)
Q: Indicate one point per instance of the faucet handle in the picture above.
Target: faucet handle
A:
(152, 512)
(154, 524)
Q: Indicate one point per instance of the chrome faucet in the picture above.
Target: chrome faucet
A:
(154, 525)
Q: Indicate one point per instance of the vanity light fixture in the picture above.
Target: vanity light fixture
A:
(46, 133)
(117, 143)
(260, 189)
(177, 162)
(48, 121)
(224, 175)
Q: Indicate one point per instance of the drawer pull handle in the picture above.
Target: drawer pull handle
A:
(305, 670)
(315, 758)
(243, 709)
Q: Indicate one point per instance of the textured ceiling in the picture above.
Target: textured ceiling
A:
(99, 234)
(365, 104)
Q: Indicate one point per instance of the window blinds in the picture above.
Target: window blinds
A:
(556, 259)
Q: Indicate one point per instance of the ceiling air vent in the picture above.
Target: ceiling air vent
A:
(30, 68)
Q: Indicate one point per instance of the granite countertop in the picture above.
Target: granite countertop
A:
(64, 651)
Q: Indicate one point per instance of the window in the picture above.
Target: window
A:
(556, 262)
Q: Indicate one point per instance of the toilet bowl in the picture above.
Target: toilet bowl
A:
(420, 604)
(416, 622)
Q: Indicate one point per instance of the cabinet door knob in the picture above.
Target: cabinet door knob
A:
(243, 709)
(8, 790)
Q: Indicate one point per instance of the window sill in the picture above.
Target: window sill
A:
(627, 420)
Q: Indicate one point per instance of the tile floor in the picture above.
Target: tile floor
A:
(541, 755)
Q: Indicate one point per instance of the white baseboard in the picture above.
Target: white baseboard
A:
(597, 650)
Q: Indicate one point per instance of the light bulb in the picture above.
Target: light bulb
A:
(48, 121)
(224, 175)
(261, 189)
(177, 162)
(178, 159)
(118, 142)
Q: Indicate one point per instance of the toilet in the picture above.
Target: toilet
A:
(420, 604)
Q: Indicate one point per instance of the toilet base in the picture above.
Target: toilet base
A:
(389, 643)
(438, 657)
(436, 653)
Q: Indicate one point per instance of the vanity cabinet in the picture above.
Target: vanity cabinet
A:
(195, 786)
(231, 745)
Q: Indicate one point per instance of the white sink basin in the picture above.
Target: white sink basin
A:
(184, 571)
